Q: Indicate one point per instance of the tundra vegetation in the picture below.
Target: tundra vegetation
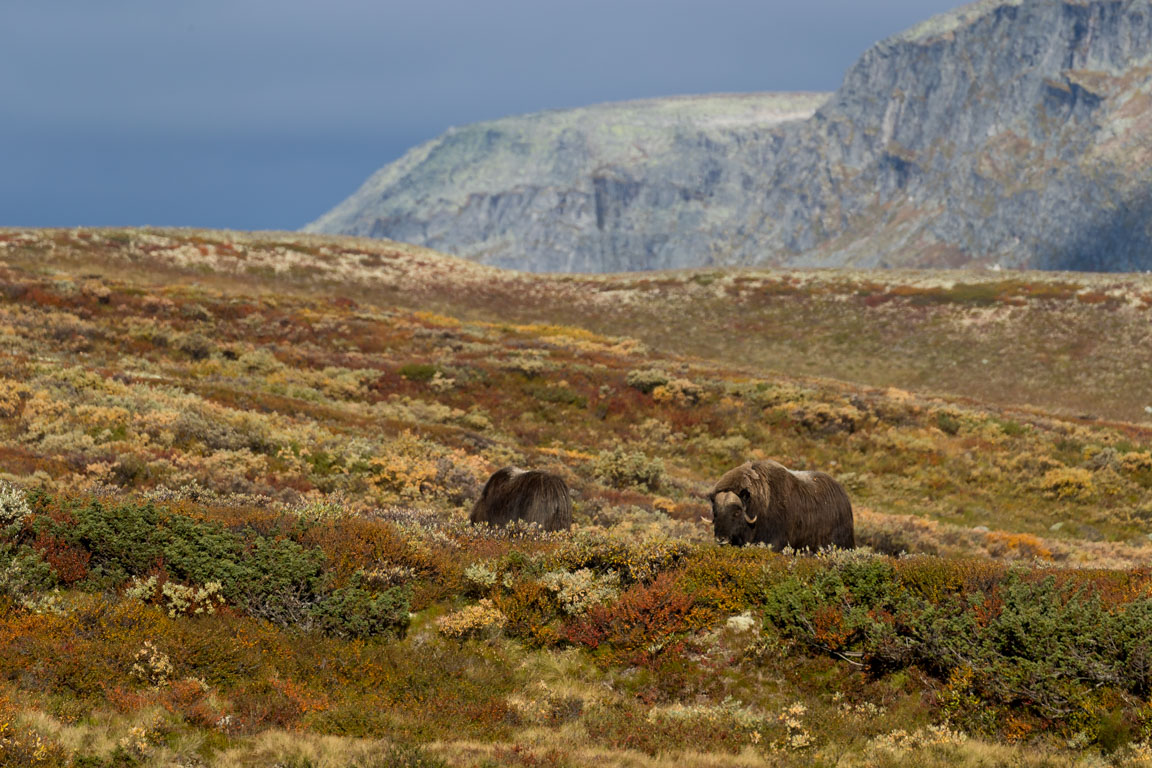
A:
(235, 475)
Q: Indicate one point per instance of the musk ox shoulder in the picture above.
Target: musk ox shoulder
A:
(765, 502)
(532, 496)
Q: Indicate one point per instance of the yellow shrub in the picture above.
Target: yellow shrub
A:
(11, 393)
(681, 392)
(406, 469)
(431, 318)
(1067, 483)
(1136, 462)
(472, 620)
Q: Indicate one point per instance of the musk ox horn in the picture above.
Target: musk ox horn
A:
(751, 520)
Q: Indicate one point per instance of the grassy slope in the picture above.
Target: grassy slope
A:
(303, 375)
(1077, 343)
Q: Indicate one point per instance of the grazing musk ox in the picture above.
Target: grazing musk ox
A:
(533, 496)
(765, 502)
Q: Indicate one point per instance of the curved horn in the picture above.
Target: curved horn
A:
(751, 520)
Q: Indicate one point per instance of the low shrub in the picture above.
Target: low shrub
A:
(472, 620)
(272, 703)
(192, 701)
(643, 622)
(681, 392)
(418, 371)
(23, 747)
(577, 592)
(13, 506)
(622, 469)
(560, 395)
(1067, 483)
(402, 755)
(1028, 642)
(531, 612)
(192, 567)
(729, 579)
(632, 560)
(647, 379)
(355, 612)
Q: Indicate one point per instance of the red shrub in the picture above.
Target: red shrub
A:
(646, 619)
(275, 703)
(126, 699)
(829, 629)
(69, 563)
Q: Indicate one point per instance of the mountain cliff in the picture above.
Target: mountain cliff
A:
(1016, 132)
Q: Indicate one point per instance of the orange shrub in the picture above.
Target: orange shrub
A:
(190, 700)
(274, 703)
(1002, 544)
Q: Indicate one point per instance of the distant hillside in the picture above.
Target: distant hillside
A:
(1009, 131)
(1080, 344)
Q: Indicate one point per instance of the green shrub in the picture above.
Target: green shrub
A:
(1021, 642)
(621, 469)
(559, 395)
(276, 579)
(948, 423)
(418, 371)
(24, 574)
(355, 612)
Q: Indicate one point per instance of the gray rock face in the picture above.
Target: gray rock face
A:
(1016, 132)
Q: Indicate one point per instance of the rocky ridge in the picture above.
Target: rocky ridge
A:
(1010, 132)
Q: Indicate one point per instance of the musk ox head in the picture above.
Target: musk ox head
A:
(732, 520)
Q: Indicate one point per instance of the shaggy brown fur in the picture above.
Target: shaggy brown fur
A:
(533, 496)
(765, 502)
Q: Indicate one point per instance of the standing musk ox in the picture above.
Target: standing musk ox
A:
(533, 496)
(765, 502)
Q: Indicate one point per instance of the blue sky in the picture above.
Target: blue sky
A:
(263, 114)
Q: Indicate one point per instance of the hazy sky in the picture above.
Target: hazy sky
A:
(263, 114)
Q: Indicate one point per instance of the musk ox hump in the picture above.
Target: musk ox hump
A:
(532, 496)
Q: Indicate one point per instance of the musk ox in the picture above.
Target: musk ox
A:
(765, 502)
(533, 496)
